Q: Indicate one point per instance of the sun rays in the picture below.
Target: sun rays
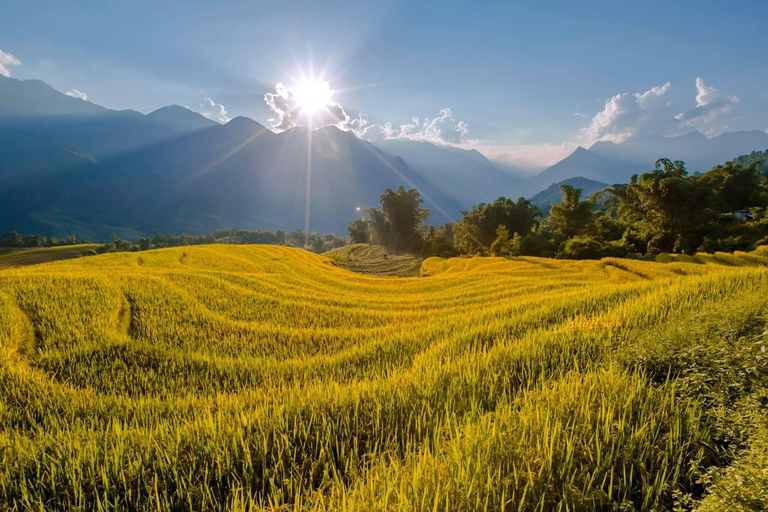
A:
(312, 97)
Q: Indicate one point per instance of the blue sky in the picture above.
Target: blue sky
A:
(526, 78)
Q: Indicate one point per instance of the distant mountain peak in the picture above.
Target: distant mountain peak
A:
(694, 135)
(398, 162)
(552, 194)
(170, 108)
(35, 98)
(602, 144)
(244, 123)
(581, 153)
(182, 118)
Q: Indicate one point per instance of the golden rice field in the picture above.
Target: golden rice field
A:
(259, 377)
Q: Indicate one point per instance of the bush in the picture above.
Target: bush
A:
(588, 248)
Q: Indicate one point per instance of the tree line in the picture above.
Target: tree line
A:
(14, 239)
(314, 242)
(664, 210)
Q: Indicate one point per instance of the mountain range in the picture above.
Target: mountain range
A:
(68, 165)
(552, 194)
(610, 162)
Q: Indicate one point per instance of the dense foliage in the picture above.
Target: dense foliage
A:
(257, 377)
(15, 240)
(665, 210)
(760, 158)
(400, 223)
(479, 227)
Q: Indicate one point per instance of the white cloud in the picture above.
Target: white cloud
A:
(6, 59)
(281, 103)
(443, 129)
(285, 104)
(77, 94)
(213, 110)
(711, 106)
(630, 115)
(624, 116)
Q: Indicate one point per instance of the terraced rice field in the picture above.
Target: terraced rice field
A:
(375, 260)
(23, 257)
(259, 377)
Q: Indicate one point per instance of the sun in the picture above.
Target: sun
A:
(312, 97)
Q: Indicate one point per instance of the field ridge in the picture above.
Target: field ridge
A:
(262, 377)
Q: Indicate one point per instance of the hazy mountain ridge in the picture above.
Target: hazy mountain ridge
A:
(588, 164)
(610, 162)
(29, 98)
(174, 170)
(238, 174)
(69, 165)
(465, 174)
(552, 194)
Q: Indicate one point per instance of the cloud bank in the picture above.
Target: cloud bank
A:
(6, 59)
(213, 110)
(631, 115)
(442, 130)
(623, 117)
(77, 94)
(711, 107)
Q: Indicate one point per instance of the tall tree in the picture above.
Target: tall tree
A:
(401, 221)
(477, 229)
(734, 187)
(572, 216)
(502, 246)
(358, 231)
(663, 210)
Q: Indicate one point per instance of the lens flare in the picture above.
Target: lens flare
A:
(312, 97)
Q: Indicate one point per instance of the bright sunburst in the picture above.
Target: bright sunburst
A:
(312, 97)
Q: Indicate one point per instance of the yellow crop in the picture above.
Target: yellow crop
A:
(259, 377)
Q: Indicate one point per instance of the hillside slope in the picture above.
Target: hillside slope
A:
(552, 194)
(375, 260)
(239, 376)
(23, 257)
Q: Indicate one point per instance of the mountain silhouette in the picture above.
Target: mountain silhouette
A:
(68, 165)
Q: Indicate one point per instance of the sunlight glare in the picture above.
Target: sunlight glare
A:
(312, 96)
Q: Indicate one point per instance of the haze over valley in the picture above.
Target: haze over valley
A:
(68, 165)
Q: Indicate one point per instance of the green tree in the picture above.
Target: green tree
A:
(359, 231)
(502, 246)
(734, 187)
(477, 229)
(401, 221)
(662, 210)
(572, 216)
(439, 242)
(33, 241)
(11, 239)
